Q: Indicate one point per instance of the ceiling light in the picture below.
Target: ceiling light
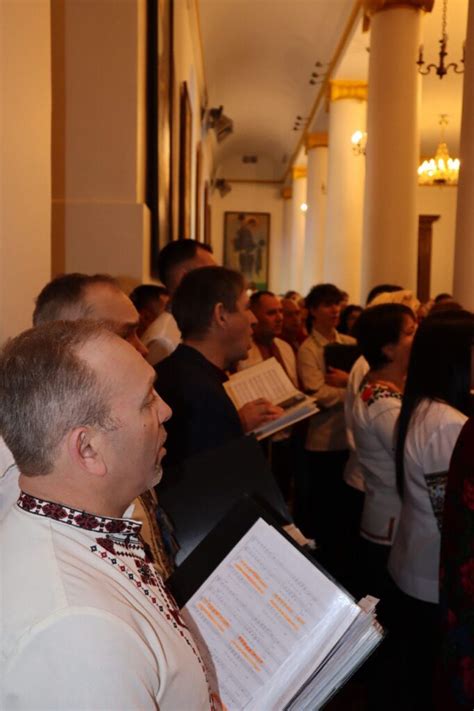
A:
(359, 142)
(442, 169)
(303, 207)
(441, 69)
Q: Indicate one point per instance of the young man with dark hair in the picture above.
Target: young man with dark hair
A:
(150, 301)
(320, 490)
(174, 262)
(211, 309)
(266, 307)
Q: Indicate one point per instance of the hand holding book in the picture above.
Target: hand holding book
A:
(258, 412)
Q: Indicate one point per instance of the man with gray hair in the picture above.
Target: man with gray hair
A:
(81, 600)
(99, 298)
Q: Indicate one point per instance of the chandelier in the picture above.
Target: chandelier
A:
(442, 169)
(441, 69)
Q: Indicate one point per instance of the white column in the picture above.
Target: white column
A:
(464, 250)
(25, 160)
(316, 146)
(284, 273)
(345, 201)
(100, 219)
(390, 216)
(298, 219)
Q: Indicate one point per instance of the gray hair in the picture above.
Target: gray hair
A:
(47, 389)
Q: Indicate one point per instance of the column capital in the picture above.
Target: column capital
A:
(299, 171)
(371, 7)
(347, 89)
(316, 140)
(286, 193)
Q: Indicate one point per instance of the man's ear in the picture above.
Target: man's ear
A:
(84, 449)
(220, 315)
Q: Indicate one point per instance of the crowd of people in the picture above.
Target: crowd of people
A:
(379, 482)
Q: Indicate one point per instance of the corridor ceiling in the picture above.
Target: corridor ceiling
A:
(259, 56)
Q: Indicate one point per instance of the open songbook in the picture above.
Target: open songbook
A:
(275, 632)
(268, 380)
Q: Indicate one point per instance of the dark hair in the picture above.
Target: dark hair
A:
(439, 369)
(379, 326)
(444, 296)
(62, 298)
(47, 389)
(321, 294)
(199, 292)
(257, 295)
(348, 311)
(145, 294)
(175, 253)
(440, 306)
(382, 289)
(290, 294)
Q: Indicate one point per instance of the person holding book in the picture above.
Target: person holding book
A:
(320, 497)
(433, 413)
(385, 334)
(267, 327)
(211, 308)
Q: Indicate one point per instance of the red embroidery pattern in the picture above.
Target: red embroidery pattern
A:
(80, 519)
(161, 599)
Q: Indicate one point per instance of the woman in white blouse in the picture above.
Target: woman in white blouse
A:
(434, 408)
(385, 335)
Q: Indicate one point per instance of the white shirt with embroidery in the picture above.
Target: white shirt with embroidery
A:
(414, 558)
(374, 416)
(87, 623)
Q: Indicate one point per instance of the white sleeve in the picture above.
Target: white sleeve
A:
(86, 660)
(159, 349)
(384, 424)
(437, 453)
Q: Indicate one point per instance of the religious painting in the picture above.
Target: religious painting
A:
(246, 245)
(159, 110)
(185, 162)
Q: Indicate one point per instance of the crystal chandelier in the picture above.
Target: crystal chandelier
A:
(442, 169)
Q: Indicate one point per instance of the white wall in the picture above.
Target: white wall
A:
(440, 201)
(25, 159)
(252, 197)
(100, 220)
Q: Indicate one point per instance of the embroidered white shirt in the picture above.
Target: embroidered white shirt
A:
(374, 416)
(414, 558)
(87, 624)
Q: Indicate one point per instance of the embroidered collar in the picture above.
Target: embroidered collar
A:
(79, 519)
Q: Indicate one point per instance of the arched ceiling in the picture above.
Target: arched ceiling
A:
(259, 56)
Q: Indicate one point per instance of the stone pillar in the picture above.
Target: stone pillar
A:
(298, 220)
(345, 202)
(100, 221)
(284, 273)
(390, 211)
(316, 147)
(464, 249)
(25, 160)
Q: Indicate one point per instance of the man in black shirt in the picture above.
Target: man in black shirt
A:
(211, 309)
